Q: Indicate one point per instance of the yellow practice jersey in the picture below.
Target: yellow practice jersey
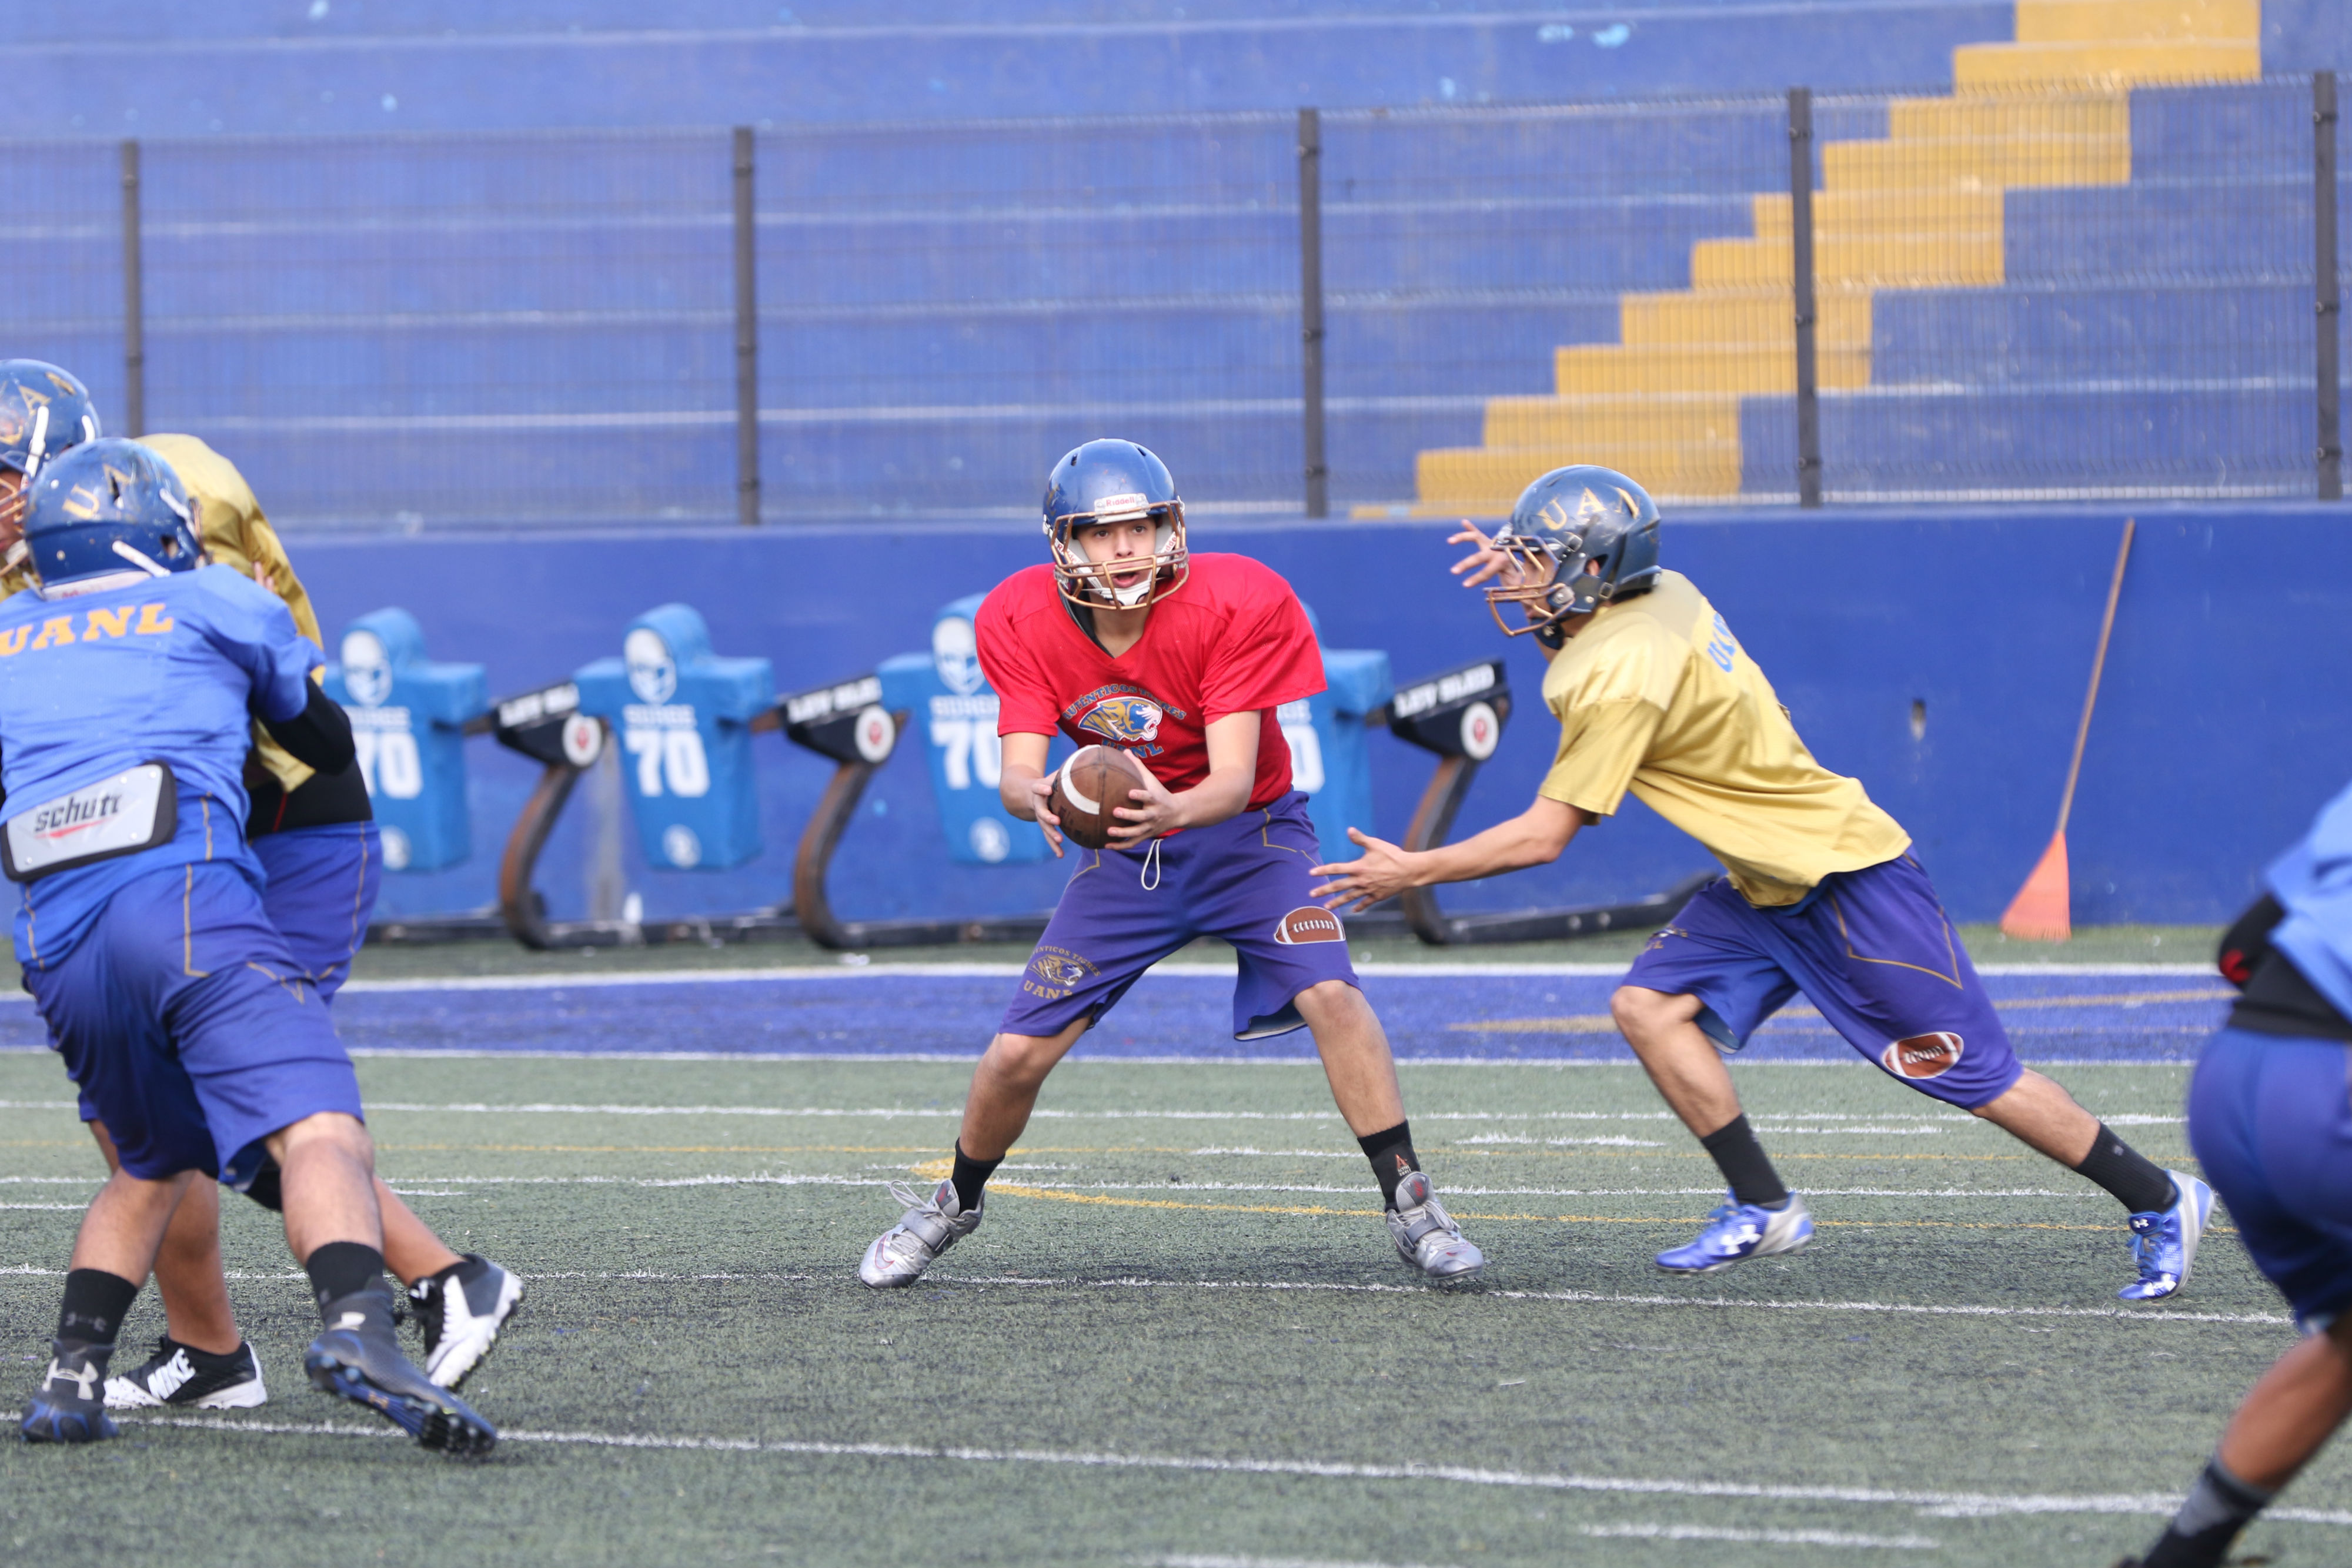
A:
(1655, 696)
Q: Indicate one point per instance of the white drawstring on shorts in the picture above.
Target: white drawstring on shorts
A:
(1149, 875)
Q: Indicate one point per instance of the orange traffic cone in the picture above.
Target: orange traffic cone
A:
(2043, 909)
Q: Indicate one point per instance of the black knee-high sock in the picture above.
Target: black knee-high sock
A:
(2138, 1182)
(1746, 1170)
(94, 1305)
(2219, 1505)
(970, 1177)
(1391, 1153)
(341, 1270)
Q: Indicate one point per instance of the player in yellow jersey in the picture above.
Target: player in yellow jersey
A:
(1656, 697)
(315, 836)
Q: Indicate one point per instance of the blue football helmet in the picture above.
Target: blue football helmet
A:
(1113, 482)
(108, 513)
(1581, 537)
(43, 410)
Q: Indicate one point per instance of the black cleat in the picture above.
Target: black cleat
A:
(181, 1376)
(69, 1405)
(359, 1359)
(461, 1309)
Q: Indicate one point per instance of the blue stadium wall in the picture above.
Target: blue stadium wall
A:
(2224, 722)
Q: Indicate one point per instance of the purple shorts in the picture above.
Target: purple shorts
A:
(1244, 881)
(1872, 949)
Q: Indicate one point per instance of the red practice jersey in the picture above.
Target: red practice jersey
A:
(1233, 639)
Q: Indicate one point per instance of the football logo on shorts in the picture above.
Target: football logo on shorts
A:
(1124, 721)
(1308, 922)
(1055, 973)
(1923, 1055)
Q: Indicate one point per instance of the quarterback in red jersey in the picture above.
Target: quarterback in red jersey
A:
(1179, 661)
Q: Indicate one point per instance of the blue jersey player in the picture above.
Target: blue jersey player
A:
(2270, 1120)
(1656, 698)
(126, 684)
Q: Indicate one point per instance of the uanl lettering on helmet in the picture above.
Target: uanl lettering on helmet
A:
(1923, 1055)
(1308, 922)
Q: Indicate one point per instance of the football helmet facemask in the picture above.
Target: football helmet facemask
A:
(43, 411)
(1580, 536)
(1114, 482)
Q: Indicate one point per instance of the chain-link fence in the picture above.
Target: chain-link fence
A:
(2067, 293)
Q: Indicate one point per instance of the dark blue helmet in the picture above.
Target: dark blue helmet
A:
(43, 410)
(107, 513)
(1581, 537)
(1114, 482)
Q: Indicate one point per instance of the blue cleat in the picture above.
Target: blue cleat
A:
(1738, 1231)
(358, 1359)
(2164, 1244)
(69, 1405)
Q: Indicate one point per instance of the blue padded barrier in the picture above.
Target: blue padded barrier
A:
(408, 715)
(2219, 699)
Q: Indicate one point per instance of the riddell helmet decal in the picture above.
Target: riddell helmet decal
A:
(1308, 922)
(1923, 1055)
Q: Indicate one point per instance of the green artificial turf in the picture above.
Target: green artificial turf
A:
(1176, 1324)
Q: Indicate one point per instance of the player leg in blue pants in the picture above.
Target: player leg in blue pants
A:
(320, 896)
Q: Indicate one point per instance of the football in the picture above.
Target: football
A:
(1093, 781)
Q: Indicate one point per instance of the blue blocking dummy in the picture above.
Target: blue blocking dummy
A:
(952, 711)
(407, 720)
(683, 715)
(1329, 760)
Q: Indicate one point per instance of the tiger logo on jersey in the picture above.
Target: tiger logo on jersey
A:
(1124, 721)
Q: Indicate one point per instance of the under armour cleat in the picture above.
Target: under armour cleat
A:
(359, 1359)
(179, 1377)
(461, 1309)
(69, 1404)
(2164, 1243)
(1738, 1231)
(928, 1228)
(1427, 1237)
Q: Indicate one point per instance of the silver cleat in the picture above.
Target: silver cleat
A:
(1427, 1238)
(928, 1228)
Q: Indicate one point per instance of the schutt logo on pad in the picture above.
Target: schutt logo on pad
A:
(1923, 1055)
(1308, 924)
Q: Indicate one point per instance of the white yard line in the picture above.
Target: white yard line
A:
(1934, 1504)
(1829, 1538)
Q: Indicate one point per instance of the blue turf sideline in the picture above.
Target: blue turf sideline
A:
(2138, 1013)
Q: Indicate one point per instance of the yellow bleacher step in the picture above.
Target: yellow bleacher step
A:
(1761, 316)
(1981, 66)
(1732, 368)
(1966, 163)
(2121, 21)
(1618, 421)
(1488, 479)
(1894, 261)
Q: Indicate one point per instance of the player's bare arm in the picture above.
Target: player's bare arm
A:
(1537, 836)
(1233, 767)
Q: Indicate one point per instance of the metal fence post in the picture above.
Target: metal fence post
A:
(134, 304)
(747, 335)
(1800, 273)
(1310, 306)
(2328, 294)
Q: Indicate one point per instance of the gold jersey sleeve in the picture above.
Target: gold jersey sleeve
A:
(236, 534)
(1655, 696)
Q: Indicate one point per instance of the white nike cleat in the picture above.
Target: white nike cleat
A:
(928, 1228)
(178, 1377)
(461, 1309)
(1427, 1237)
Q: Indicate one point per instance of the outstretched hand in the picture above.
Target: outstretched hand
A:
(1483, 562)
(1384, 871)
